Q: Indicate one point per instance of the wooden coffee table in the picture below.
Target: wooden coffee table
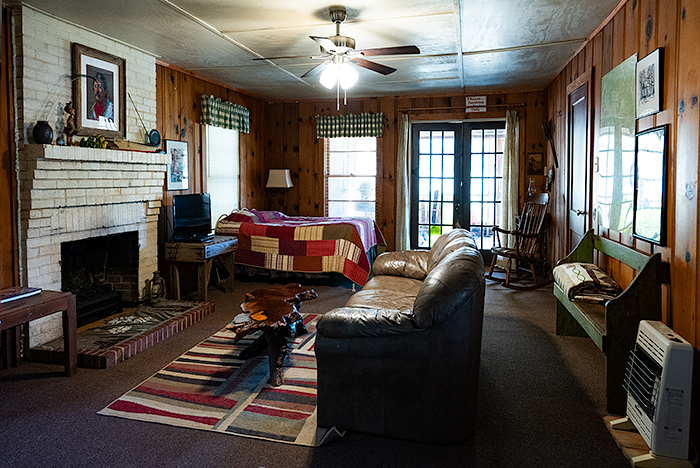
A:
(275, 311)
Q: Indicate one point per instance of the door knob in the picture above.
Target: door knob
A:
(581, 213)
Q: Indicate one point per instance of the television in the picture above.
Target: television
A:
(192, 217)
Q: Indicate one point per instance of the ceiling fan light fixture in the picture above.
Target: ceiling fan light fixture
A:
(347, 75)
(329, 77)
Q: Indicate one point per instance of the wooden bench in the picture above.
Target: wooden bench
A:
(613, 325)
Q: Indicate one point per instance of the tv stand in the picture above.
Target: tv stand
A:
(201, 253)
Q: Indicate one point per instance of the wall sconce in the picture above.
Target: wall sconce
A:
(279, 178)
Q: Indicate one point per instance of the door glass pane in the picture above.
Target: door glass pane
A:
(423, 210)
(424, 143)
(436, 143)
(424, 189)
(448, 166)
(475, 217)
(448, 189)
(435, 213)
(435, 232)
(423, 237)
(436, 165)
(436, 189)
(447, 213)
(449, 143)
(477, 165)
(489, 141)
(489, 213)
(475, 190)
(489, 165)
(424, 167)
(477, 145)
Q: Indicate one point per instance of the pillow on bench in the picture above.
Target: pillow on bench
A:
(585, 282)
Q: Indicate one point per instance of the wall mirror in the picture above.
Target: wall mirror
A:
(650, 185)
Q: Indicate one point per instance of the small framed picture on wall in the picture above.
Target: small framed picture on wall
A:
(648, 80)
(177, 176)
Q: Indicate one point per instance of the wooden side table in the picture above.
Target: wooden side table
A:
(202, 253)
(20, 311)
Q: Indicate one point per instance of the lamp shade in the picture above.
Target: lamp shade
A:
(279, 178)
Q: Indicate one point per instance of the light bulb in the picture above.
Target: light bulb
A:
(329, 77)
(348, 75)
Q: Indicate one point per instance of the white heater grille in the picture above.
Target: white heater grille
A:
(658, 384)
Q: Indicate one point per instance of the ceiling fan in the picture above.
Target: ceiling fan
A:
(339, 51)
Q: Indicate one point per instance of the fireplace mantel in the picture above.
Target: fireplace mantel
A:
(68, 193)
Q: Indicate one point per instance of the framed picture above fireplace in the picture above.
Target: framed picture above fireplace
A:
(177, 177)
(99, 92)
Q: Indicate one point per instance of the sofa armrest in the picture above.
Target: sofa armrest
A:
(349, 322)
(407, 263)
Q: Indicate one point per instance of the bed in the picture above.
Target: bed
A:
(300, 244)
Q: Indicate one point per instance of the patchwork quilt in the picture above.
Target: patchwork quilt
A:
(273, 240)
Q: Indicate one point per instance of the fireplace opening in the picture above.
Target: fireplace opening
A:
(102, 272)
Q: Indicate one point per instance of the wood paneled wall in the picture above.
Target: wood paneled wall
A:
(641, 26)
(178, 114)
(9, 267)
(290, 142)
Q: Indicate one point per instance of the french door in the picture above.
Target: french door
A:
(456, 180)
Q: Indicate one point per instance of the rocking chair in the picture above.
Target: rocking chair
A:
(526, 239)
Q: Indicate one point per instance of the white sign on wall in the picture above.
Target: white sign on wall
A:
(475, 104)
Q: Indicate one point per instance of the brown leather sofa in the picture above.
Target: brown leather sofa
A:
(401, 359)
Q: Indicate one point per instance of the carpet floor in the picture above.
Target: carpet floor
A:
(541, 404)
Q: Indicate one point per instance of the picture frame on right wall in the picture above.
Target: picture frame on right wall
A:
(650, 185)
(648, 78)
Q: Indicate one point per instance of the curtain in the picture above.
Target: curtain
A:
(403, 192)
(511, 175)
(224, 114)
(352, 125)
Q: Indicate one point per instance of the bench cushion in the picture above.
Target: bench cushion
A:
(585, 282)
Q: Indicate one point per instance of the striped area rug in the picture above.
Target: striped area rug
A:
(210, 388)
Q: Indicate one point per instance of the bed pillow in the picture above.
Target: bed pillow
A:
(265, 216)
(229, 225)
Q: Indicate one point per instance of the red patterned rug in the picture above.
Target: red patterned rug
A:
(111, 340)
(211, 388)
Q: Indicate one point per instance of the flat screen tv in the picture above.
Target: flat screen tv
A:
(191, 217)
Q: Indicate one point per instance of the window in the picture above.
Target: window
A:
(222, 170)
(351, 176)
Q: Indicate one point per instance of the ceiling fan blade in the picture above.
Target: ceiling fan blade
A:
(283, 57)
(379, 68)
(326, 43)
(399, 50)
(316, 69)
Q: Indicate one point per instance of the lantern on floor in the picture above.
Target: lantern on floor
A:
(156, 288)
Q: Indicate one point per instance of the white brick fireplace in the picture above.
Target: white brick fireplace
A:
(71, 193)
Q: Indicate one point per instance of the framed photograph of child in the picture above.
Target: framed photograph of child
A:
(99, 91)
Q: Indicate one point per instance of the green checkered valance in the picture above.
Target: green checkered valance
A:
(224, 114)
(353, 125)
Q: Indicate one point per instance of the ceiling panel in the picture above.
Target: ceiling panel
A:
(528, 42)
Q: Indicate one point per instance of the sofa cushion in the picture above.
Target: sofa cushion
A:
(451, 283)
(448, 243)
(347, 322)
(407, 263)
(387, 292)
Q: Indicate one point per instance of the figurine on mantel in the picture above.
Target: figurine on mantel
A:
(69, 127)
